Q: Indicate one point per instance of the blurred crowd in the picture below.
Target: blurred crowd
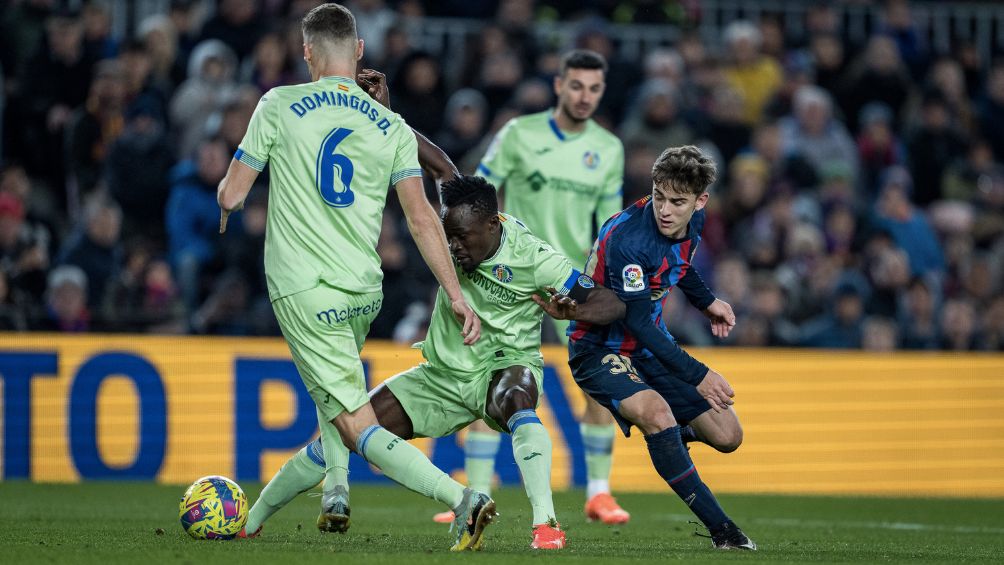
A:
(860, 204)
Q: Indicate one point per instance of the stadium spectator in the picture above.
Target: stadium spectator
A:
(237, 24)
(192, 216)
(814, 133)
(56, 80)
(829, 62)
(879, 334)
(95, 125)
(12, 307)
(210, 82)
(160, 40)
(655, 120)
(137, 172)
(897, 22)
(373, 19)
(907, 225)
(727, 130)
(24, 248)
(465, 121)
(266, 69)
(96, 18)
(958, 325)
(918, 320)
(143, 296)
(754, 75)
(963, 178)
(840, 328)
(65, 307)
(500, 78)
(877, 76)
(95, 248)
(878, 146)
(419, 92)
(187, 17)
(932, 147)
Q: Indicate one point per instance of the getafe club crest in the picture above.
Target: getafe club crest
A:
(634, 278)
(591, 159)
(502, 272)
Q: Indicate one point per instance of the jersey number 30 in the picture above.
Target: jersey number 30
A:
(334, 171)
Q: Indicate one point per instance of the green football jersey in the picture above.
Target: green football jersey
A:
(333, 153)
(499, 292)
(560, 184)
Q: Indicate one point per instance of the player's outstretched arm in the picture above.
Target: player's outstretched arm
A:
(427, 230)
(433, 160)
(684, 367)
(233, 189)
(601, 306)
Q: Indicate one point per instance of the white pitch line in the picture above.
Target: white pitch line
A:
(902, 526)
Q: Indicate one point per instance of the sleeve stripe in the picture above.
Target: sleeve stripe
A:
(483, 169)
(249, 160)
(569, 283)
(403, 174)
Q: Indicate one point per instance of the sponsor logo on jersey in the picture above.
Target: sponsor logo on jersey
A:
(634, 278)
(586, 282)
(537, 181)
(502, 273)
(591, 159)
(542, 150)
(493, 290)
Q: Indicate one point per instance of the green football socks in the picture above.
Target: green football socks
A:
(479, 459)
(531, 447)
(598, 441)
(299, 474)
(408, 466)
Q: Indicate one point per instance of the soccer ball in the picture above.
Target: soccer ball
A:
(213, 507)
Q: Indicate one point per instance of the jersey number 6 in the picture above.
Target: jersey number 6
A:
(334, 171)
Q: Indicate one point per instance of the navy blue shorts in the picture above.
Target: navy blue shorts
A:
(610, 378)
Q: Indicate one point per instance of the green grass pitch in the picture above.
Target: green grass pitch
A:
(119, 523)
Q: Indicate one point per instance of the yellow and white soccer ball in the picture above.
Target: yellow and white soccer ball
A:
(213, 507)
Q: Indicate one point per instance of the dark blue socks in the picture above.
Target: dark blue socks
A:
(674, 465)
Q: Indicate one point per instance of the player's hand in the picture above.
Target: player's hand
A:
(717, 391)
(466, 316)
(723, 319)
(558, 307)
(225, 215)
(375, 84)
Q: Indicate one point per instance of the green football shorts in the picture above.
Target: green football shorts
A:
(439, 403)
(325, 329)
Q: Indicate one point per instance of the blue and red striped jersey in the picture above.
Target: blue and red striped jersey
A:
(634, 260)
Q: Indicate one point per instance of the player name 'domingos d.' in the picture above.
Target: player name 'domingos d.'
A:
(338, 99)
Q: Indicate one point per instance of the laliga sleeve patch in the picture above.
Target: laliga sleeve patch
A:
(634, 278)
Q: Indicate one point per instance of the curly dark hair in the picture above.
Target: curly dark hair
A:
(476, 192)
(684, 169)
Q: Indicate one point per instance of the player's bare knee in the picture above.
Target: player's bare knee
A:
(651, 421)
(514, 399)
(725, 440)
